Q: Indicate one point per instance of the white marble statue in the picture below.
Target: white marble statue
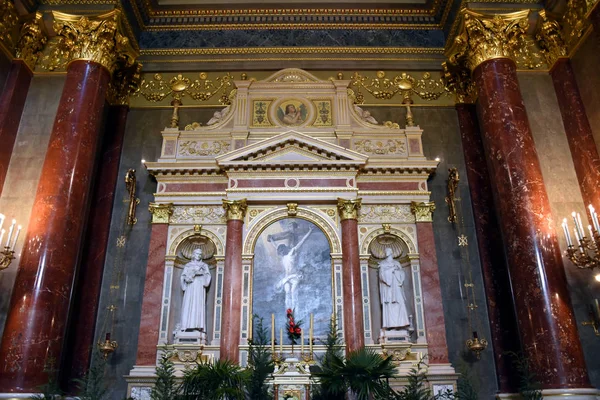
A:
(365, 115)
(195, 278)
(393, 302)
(218, 116)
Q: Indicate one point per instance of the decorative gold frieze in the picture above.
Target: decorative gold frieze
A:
(203, 147)
(381, 147)
(404, 84)
(157, 88)
(348, 209)
(397, 213)
(125, 82)
(32, 40)
(235, 209)
(9, 19)
(198, 215)
(98, 39)
(160, 212)
(458, 81)
(423, 211)
(484, 37)
(550, 39)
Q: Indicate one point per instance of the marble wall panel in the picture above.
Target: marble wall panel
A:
(142, 141)
(441, 138)
(585, 63)
(564, 194)
(25, 167)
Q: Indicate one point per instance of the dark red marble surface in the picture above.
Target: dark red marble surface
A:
(153, 292)
(194, 187)
(354, 332)
(12, 102)
(579, 132)
(503, 324)
(87, 287)
(432, 295)
(37, 317)
(543, 306)
(232, 292)
(388, 185)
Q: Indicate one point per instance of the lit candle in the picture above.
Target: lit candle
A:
(565, 226)
(272, 333)
(302, 342)
(2, 218)
(16, 237)
(580, 225)
(591, 231)
(578, 240)
(2, 232)
(10, 232)
(281, 340)
(311, 333)
(594, 218)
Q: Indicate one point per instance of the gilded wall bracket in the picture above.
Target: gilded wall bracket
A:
(130, 184)
(452, 187)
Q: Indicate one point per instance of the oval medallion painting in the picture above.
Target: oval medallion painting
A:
(292, 112)
(292, 270)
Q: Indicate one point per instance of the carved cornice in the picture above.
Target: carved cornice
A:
(99, 39)
(125, 82)
(423, 211)
(484, 37)
(550, 39)
(32, 40)
(235, 209)
(9, 20)
(160, 212)
(348, 209)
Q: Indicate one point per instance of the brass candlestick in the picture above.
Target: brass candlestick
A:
(108, 346)
(6, 257)
(476, 345)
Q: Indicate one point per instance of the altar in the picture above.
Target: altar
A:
(293, 197)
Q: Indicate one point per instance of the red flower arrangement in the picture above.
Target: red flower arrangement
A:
(293, 327)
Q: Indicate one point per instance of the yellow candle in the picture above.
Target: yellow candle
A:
(311, 332)
(302, 342)
(272, 333)
(281, 340)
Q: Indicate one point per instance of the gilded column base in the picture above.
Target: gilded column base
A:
(572, 394)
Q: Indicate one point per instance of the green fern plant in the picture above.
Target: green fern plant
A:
(417, 387)
(529, 387)
(222, 380)
(166, 387)
(50, 389)
(260, 362)
(91, 385)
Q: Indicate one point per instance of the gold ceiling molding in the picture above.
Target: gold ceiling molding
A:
(484, 37)
(97, 38)
(210, 51)
(289, 25)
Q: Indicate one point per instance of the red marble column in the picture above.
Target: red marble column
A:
(579, 132)
(232, 282)
(496, 280)
(544, 312)
(87, 288)
(432, 295)
(354, 330)
(12, 102)
(153, 292)
(37, 317)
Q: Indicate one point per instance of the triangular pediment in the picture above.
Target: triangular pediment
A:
(292, 75)
(292, 149)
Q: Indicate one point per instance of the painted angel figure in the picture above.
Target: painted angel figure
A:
(289, 258)
(292, 115)
(195, 280)
(391, 290)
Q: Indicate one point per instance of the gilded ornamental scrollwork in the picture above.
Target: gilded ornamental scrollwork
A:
(157, 88)
(458, 81)
(32, 40)
(98, 39)
(381, 147)
(235, 209)
(423, 211)
(348, 209)
(203, 147)
(9, 19)
(198, 215)
(397, 213)
(161, 213)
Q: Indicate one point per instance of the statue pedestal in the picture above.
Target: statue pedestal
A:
(291, 379)
(193, 337)
(394, 336)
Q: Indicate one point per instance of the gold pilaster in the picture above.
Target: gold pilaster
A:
(160, 212)
(485, 37)
(99, 39)
(32, 39)
(235, 209)
(550, 39)
(423, 211)
(349, 209)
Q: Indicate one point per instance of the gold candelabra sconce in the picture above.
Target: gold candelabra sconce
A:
(7, 255)
(584, 253)
(453, 179)
(107, 347)
(130, 184)
(476, 345)
(594, 317)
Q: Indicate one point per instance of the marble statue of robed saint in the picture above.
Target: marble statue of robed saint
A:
(195, 280)
(391, 290)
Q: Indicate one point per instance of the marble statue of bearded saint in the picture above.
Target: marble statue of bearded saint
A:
(195, 278)
(393, 302)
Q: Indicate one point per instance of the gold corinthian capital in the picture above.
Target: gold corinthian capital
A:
(235, 209)
(349, 209)
(550, 39)
(161, 213)
(483, 37)
(423, 211)
(99, 39)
